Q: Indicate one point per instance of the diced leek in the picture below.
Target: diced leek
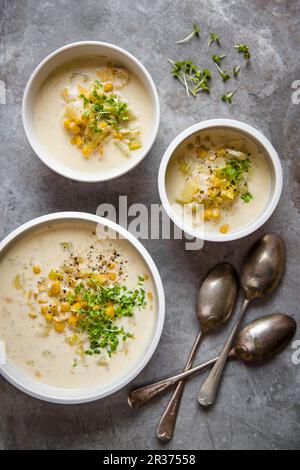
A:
(188, 192)
(123, 147)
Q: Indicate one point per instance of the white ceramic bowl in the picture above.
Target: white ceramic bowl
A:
(274, 164)
(74, 51)
(59, 395)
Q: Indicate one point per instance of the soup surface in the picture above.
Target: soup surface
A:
(93, 115)
(220, 176)
(76, 311)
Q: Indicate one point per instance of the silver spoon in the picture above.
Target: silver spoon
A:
(258, 341)
(215, 303)
(261, 273)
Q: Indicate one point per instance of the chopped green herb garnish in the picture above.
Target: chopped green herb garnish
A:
(75, 363)
(235, 169)
(104, 107)
(94, 319)
(196, 32)
(247, 197)
(227, 97)
(224, 74)
(236, 70)
(244, 49)
(193, 78)
(213, 38)
(218, 58)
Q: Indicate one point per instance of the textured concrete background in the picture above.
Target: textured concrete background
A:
(257, 408)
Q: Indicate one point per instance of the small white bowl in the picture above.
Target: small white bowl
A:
(276, 178)
(82, 395)
(57, 58)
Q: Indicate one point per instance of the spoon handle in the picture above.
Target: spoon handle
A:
(139, 397)
(209, 389)
(166, 425)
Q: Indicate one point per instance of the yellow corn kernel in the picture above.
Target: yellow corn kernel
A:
(73, 140)
(55, 288)
(110, 311)
(36, 269)
(221, 152)
(67, 123)
(215, 213)
(112, 265)
(79, 140)
(150, 296)
(96, 307)
(32, 315)
(108, 87)
(44, 309)
(41, 301)
(118, 135)
(74, 128)
(207, 214)
(49, 317)
(53, 308)
(72, 339)
(53, 275)
(103, 124)
(99, 279)
(64, 307)
(72, 321)
(224, 228)
(202, 153)
(59, 326)
(86, 151)
(112, 276)
(78, 121)
(76, 306)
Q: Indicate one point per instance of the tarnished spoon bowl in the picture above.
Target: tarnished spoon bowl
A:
(264, 338)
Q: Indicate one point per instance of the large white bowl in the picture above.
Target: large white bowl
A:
(61, 395)
(74, 51)
(254, 135)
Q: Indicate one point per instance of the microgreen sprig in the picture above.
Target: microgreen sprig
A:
(213, 38)
(227, 97)
(218, 58)
(224, 74)
(244, 49)
(195, 33)
(193, 78)
(236, 70)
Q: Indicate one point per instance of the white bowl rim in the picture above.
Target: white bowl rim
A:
(60, 395)
(234, 125)
(69, 172)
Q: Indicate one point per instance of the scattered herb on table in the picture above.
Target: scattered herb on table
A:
(195, 33)
(244, 49)
(227, 97)
(224, 74)
(213, 38)
(247, 197)
(218, 58)
(236, 70)
(193, 78)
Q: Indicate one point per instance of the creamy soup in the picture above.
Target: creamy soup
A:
(221, 175)
(93, 115)
(76, 311)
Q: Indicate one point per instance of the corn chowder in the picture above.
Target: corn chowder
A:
(76, 311)
(223, 173)
(92, 115)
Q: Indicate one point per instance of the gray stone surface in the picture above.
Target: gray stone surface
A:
(257, 408)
